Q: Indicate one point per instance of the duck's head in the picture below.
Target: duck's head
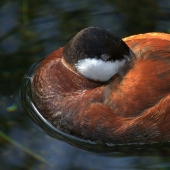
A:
(97, 54)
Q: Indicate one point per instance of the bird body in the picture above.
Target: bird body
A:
(133, 106)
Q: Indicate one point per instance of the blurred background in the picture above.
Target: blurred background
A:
(29, 31)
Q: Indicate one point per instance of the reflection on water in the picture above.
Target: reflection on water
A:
(32, 29)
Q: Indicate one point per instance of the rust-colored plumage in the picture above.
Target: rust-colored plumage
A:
(130, 109)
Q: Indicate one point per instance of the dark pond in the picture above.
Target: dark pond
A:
(30, 30)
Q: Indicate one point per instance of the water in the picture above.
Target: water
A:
(29, 31)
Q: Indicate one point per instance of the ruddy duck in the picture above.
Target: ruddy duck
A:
(105, 89)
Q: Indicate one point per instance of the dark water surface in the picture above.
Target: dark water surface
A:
(30, 30)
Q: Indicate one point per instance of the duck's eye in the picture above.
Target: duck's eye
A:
(105, 57)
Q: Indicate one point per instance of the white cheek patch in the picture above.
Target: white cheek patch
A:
(99, 70)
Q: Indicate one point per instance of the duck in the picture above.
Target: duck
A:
(102, 88)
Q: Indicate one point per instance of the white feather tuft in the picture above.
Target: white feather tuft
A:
(99, 70)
